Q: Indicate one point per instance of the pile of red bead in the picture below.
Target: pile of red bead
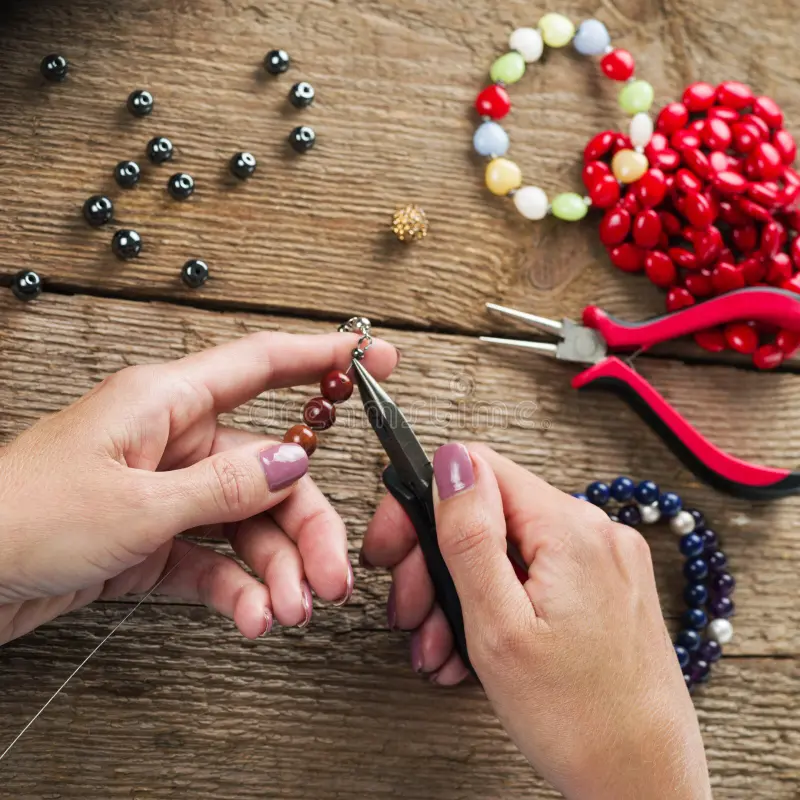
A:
(716, 210)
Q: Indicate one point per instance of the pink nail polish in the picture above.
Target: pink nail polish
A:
(268, 621)
(348, 593)
(391, 610)
(308, 605)
(452, 469)
(283, 465)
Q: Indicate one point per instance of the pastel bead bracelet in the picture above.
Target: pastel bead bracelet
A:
(503, 177)
(705, 625)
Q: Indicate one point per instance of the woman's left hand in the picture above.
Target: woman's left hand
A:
(91, 498)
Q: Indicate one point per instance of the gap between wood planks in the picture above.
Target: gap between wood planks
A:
(683, 351)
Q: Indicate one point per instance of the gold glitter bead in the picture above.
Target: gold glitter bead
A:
(410, 224)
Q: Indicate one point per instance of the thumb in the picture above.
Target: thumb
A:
(471, 530)
(228, 486)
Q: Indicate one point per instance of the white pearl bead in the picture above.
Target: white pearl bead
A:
(650, 514)
(528, 43)
(682, 523)
(641, 129)
(720, 631)
(531, 202)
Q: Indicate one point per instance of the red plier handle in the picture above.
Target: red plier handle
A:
(722, 470)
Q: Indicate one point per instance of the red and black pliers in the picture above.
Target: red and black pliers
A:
(591, 342)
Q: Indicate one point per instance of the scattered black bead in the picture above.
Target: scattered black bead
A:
(243, 165)
(98, 210)
(276, 62)
(140, 103)
(54, 67)
(127, 174)
(302, 138)
(194, 273)
(27, 285)
(181, 186)
(126, 244)
(301, 95)
(160, 149)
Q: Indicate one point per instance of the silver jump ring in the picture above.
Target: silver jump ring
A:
(362, 326)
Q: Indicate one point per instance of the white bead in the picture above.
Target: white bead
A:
(650, 514)
(641, 129)
(531, 202)
(528, 43)
(682, 523)
(720, 631)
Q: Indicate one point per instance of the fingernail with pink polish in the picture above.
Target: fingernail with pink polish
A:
(391, 610)
(417, 660)
(283, 464)
(348, 592)
(268, 621)
(308, 605)
(452, 469)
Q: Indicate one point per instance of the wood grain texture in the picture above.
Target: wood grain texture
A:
(180, 706)
(395, 85)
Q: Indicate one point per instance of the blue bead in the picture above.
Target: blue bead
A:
(691, 545)
(580, 496)
(683, 656)
(717, 561)
(622, 488)
(646, 492)
(710, 541)
(710, 651)
(699, 519)
(695, 569)
(670, 504)
(695, 595)
(490, 140)
(591, 38)
(598, 493)
(630, 515)
(695, 618)
(690, 640)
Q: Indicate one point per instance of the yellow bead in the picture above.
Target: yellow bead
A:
(502, 176)
(556, 30)
(628, 166)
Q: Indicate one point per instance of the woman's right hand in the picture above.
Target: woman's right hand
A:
(577, 661)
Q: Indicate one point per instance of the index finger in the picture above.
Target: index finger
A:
(238, 371)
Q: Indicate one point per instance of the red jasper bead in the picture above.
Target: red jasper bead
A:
(697, 162)
(683, 257)
(667, 160)
(784, 143)
(698, 210)
(657, 143)
(734, 95)
(708, 246)
(741, 337)
(618, 65)
(754, 210)
(627, 257)
(765, 161)
(712, 340)
(699, 97)
(336, 386)
(727, 182)
(725, 114)
(779, 269)
(727, 278)
(788, 341)
(493, 101)
(599, 146)
(319, 414)
(717, 134)
(768, 110)
(687, 181)
(659, 269)
(651, 188)
(302, 435)
(671, 118)
(771, 239)
(699, 284)
(753, 269)
(647, 229)
(768, 356)
(670, 223)
(605, 192)
(678, 298)
(593, 171)
(614, 226)
(765, 193)
(745, 136)
(684, 140)
(745, 237)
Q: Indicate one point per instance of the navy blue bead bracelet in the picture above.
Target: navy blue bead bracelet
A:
(705, 625)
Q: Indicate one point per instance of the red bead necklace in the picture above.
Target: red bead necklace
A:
(716, 210)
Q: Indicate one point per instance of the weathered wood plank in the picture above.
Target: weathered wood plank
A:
(394, 123)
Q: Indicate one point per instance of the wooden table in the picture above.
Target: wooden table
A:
(179, 705)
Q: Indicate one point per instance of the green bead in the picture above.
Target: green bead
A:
(569, 206)
(508, 68)
(636, 97)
